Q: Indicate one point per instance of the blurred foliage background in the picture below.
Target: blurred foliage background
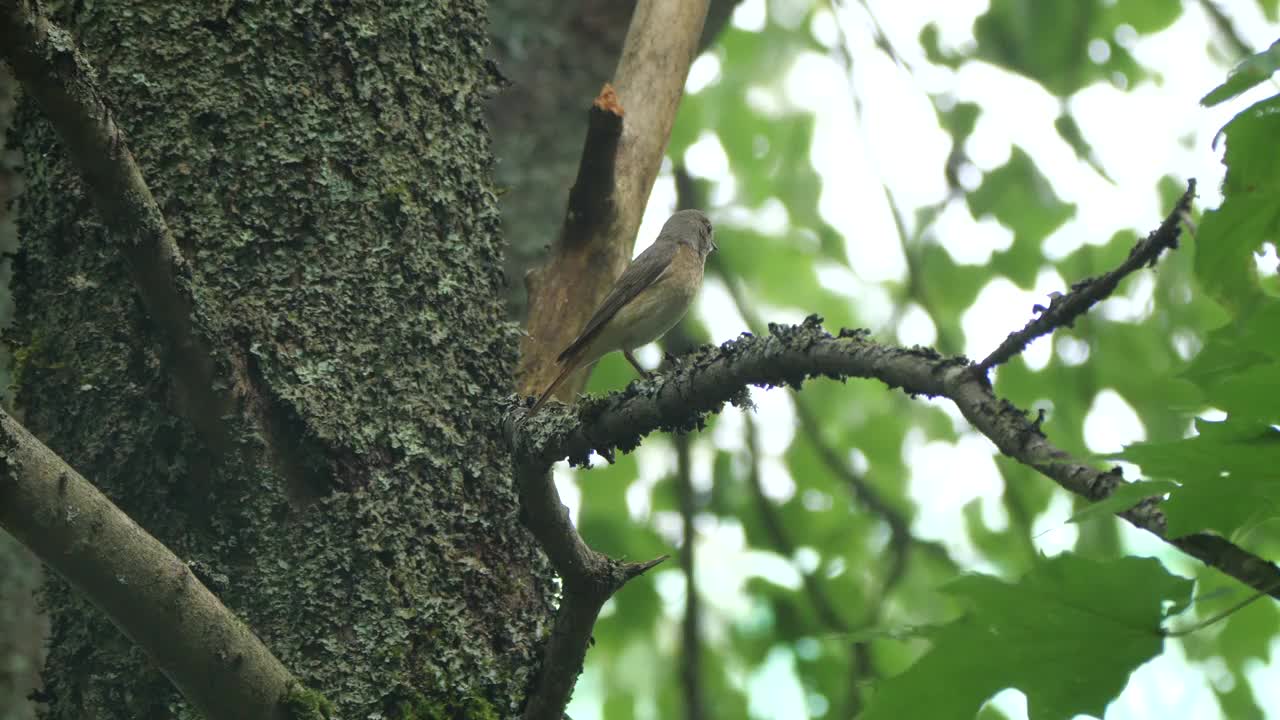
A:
(931, 171)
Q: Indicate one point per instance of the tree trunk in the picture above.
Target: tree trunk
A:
(326, 171)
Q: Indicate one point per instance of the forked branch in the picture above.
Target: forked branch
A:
(702, 381)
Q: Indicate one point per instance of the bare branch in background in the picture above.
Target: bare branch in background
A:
(862, 491)
(915, 288)
(692, 684)
(881, 37)
(1228, 29)
(823, 606)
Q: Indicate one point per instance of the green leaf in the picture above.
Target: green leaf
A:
(1247, 342)
(1069, 130)
(1068, 635)
(1253, 70)
(929, 41)
(960, 121)
(1125, 497)
(1229, 475)
(1049, 42)
(1022, 199)
(1249, 214)
(1037, 39)
(1144, 16)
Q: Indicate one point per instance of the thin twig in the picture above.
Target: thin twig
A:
(915, 287)
(862, 491)
(900, 537)
(877, 32)
(1064, 309)
(1216, 617)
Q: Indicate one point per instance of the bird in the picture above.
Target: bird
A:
(648, 299)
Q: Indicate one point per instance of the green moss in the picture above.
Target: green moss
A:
(306, 704)
(421, 708)
(27, 357)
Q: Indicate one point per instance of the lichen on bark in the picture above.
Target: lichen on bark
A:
(326, 171)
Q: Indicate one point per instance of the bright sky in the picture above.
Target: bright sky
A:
(1139, 135)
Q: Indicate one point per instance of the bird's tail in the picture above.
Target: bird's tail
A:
(569, 367)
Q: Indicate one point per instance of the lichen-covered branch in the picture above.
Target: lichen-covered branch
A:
(704, 380)
(1064, 309)
(46, 61)
(148, 592)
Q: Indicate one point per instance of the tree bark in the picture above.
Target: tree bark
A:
(326, 173)
(556, 56)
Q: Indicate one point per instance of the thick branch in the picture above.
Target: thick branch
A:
(1064, 309)
(605, 208)
(707, 378)
(149, 593)
(59, 78)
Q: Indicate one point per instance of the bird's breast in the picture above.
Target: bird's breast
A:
(657, 308)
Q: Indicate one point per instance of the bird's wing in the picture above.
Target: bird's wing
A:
(640, 274)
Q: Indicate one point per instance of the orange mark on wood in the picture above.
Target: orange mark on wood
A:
(607, 100)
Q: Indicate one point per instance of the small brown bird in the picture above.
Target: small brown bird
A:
(650, 297)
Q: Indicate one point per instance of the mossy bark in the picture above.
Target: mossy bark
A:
(326, 170)
(22, 625)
